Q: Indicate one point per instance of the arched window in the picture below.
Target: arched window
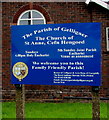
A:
(31, 17)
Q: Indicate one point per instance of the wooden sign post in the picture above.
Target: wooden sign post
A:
(95, 103)
(20, 101)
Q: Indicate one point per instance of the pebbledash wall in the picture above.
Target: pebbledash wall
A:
(54, 12)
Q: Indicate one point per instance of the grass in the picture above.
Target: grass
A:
(53, 110)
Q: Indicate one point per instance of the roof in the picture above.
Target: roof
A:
(99, 2)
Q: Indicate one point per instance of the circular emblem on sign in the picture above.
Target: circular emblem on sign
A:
(20, 70)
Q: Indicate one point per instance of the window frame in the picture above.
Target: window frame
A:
(107, 38)
(31, 19)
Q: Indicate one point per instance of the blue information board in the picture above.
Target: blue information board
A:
(57, 54)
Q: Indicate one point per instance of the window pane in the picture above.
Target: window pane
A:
(36, 15)
(26, 15)
(35, 22)
(25, 22)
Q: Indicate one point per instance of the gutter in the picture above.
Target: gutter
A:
(99, 2)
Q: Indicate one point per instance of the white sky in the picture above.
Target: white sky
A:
(105, 0)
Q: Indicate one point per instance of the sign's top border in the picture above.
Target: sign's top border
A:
(59, 24)
(43, 1)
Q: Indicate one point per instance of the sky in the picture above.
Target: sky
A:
(105, 0)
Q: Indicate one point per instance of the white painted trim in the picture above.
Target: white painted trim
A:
(43, 18)
(107, 38)
(33, 19)
(87, 1)
(99, 2)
